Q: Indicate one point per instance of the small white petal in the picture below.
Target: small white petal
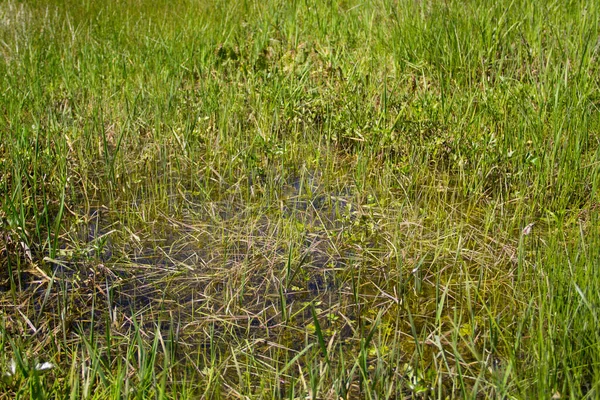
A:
(12, 368)
(44, 366)
(527, 229)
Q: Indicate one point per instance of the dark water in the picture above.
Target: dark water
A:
(219, 263)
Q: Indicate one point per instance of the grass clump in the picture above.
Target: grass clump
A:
(288, 200)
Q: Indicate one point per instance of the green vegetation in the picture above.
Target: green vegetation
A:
(296, 199)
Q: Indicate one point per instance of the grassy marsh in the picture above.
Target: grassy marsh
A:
(238, 199)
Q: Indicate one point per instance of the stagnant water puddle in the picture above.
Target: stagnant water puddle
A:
(200, 261)
(214, 271)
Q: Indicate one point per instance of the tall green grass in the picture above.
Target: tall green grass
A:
(300, 199)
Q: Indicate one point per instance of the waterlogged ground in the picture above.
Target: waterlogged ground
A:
(247, 281)
(265, 200)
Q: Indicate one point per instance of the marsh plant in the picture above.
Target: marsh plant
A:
(298, 199)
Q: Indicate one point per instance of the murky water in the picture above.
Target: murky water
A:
(133, 271)
(223, 266)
